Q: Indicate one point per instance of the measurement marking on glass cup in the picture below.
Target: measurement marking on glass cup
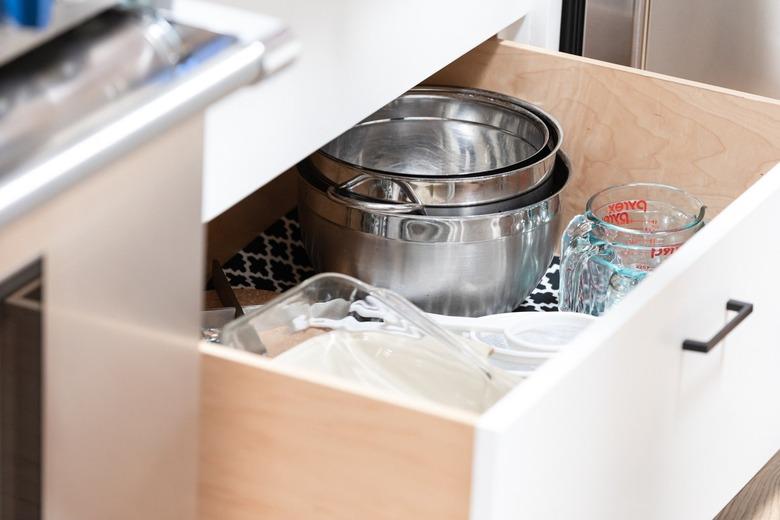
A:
(663, 251)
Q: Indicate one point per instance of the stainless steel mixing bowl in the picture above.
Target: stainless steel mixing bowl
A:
(445, 146)
(458, 265)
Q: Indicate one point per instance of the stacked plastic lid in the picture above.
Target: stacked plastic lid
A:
(341, 328)
(521, 341)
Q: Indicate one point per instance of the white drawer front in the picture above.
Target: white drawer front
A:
(631, 426)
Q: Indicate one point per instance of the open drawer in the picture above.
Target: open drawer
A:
(625, 425)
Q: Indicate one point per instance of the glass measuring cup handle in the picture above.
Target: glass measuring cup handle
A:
(621, 281)
(577, 291)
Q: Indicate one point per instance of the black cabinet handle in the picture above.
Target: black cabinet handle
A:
(742, 308)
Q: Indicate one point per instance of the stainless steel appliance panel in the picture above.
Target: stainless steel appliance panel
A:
(609, 30)
(734, 44)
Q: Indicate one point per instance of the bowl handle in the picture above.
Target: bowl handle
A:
(342, 195)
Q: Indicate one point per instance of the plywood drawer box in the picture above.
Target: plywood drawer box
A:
(625, 425)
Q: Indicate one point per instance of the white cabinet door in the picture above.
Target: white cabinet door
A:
(629, 425)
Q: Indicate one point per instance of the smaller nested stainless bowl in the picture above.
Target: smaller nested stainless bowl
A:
(472, 265)
(446, 146)
(397, 196)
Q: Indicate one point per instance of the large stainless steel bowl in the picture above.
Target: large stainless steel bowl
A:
(445, 146)
(458, 265)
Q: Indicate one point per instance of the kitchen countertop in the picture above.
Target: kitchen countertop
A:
(63, 150)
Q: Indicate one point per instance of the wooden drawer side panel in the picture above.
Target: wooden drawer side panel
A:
(624, 125)
(277, 447)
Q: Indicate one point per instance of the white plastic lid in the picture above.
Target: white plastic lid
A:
(547, 331)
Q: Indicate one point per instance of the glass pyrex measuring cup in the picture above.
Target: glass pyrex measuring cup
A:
(625, 232)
